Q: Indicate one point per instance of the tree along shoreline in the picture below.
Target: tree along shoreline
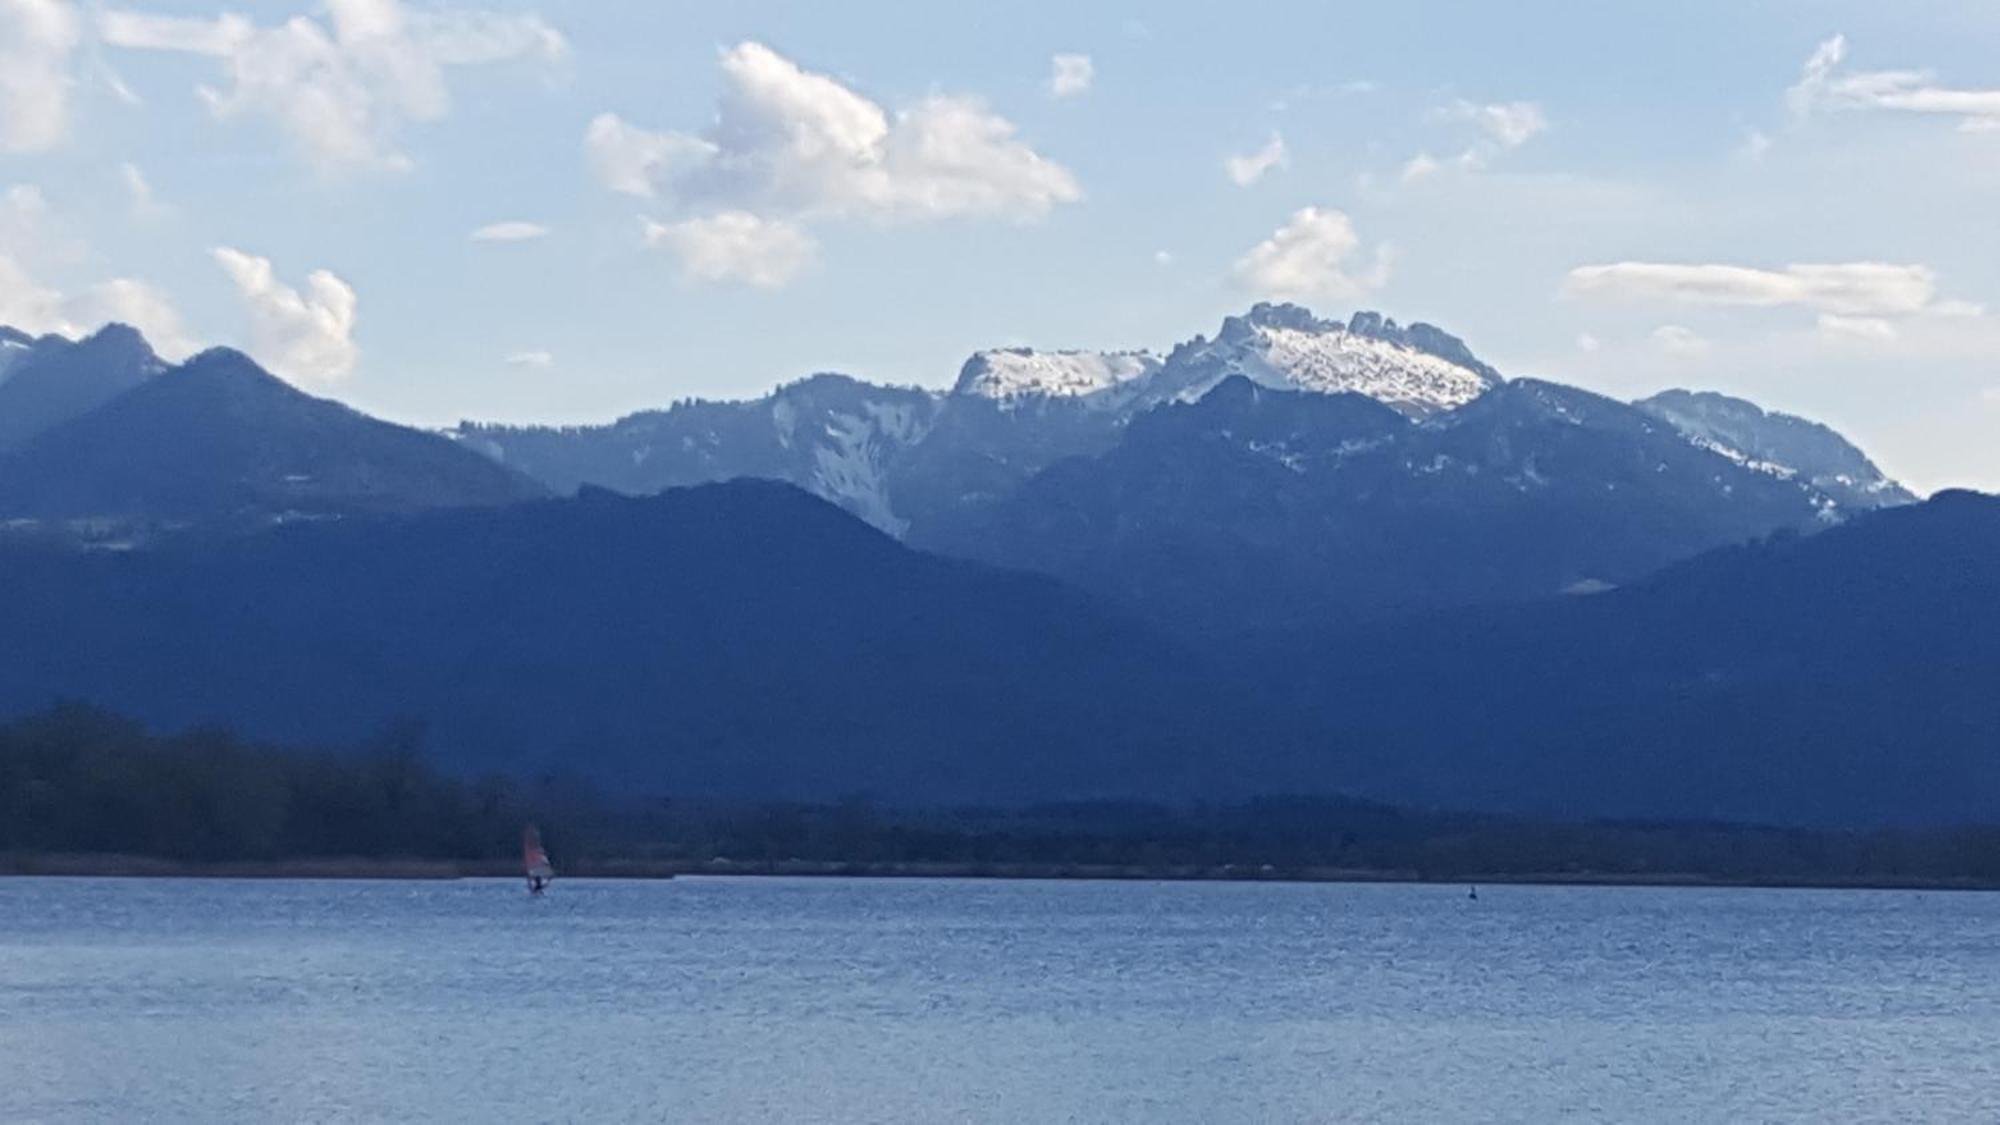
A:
(87, 793)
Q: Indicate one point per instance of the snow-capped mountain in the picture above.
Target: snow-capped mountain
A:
(1419, 370)
(1013, 376)
(1783, 445)
(1257, 507)
(910, 461)
(897, 456)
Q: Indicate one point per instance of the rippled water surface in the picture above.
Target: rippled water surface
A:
(927, 1001)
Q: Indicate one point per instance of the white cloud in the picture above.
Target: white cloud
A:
(1588, 343)
(1308, 257)
(789, 142)
(1849, 289)
(340, 88)
(1421, 166)
(536, 358)
(139, 198)
(304, 336)
(511, 231)
(1678, 342)
(31, 306)
(32, 241)
(1870, 329)
(1248, 169)
(1755, 144)
(735, 246)
(1503, 127)
(1506, 124)
(1163, 258)
(1823, 85)
(626, 158)
(37, 38)
(1070, 75)
(31, 230)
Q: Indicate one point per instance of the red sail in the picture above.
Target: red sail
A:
(533, 858)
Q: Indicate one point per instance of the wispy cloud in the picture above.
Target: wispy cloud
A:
(37, 38)
(1248, 168)
(33, 244)
(1824, 85)
(1679, 342)
(1070, 75)
(1843, 289)
(139, 198)
(736, 246)
(341, 88)
(513, 230)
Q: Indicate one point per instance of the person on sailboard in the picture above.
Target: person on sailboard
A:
(535, 861)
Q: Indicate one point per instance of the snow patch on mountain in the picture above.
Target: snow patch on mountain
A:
(1779, 444)
(850, 468)
(1420, 370)
(1012, 376)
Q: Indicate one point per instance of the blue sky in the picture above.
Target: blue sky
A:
(722, 196)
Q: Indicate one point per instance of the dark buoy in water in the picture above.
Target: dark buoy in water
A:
(1472, 893)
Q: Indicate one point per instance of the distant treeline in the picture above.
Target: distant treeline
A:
(77, 781)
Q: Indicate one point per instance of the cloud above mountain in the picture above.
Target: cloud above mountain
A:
(1311, 256)
(304, 335)
(341, 88)
(35, 242)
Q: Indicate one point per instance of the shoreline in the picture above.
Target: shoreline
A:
(146, 867)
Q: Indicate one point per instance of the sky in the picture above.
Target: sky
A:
(567, 210)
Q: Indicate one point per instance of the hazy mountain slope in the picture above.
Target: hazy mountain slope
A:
(220, 438)
(1840, 678)
(732, 639)
(831, 435)
(48, 381)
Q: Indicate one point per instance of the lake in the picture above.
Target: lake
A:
(782, 1000)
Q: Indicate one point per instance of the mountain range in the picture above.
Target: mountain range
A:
(1305, 556)
(899, 456)
(750, 640)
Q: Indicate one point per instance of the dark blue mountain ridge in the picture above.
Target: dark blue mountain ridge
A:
(748, 640)
(48, 380)
(741, 639)
(1843, 678)
(219, 438)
